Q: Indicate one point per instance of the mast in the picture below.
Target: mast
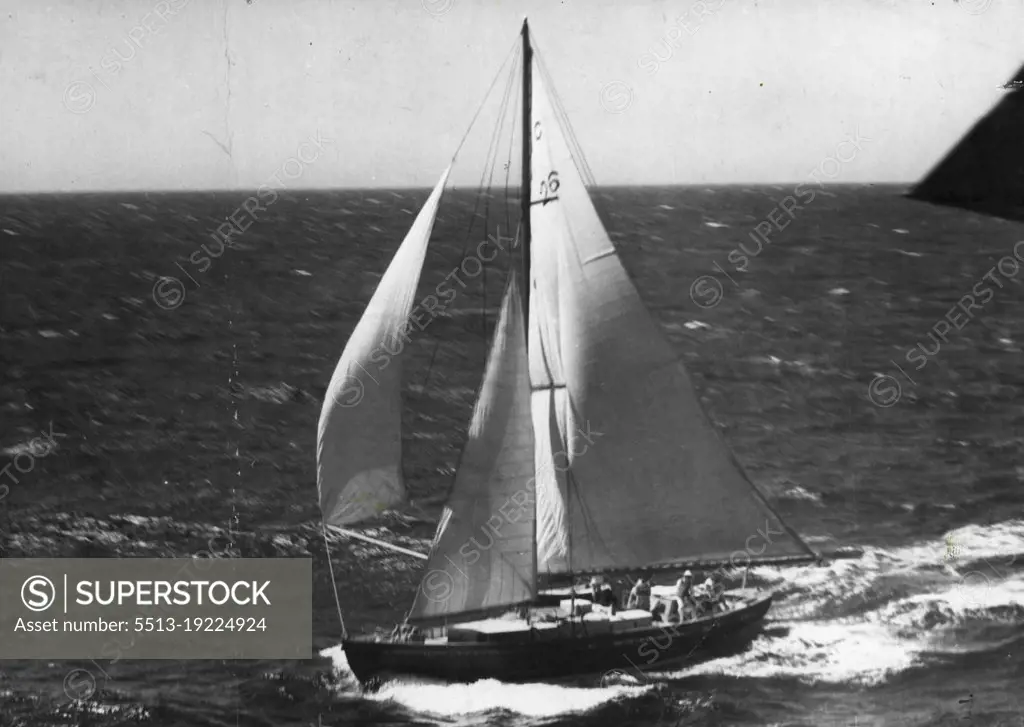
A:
(527, 149)
(525, 222)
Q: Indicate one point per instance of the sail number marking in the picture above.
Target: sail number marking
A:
(548, 189)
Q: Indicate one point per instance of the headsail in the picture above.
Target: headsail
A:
(482, 557)
(359, 439)
(649, 481)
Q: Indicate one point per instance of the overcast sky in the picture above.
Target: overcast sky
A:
(186, 94)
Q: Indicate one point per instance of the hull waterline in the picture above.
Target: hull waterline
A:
(545, 659)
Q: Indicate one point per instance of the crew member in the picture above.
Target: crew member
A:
(640, 596)
(603, 594)
(713, 596)
(684, 595)
(702, 595)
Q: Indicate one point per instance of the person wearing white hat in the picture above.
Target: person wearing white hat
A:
(684, 595)
(715, 592)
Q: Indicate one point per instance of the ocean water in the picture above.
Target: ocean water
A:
(187, 411)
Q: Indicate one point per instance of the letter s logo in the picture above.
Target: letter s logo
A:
(42, 591)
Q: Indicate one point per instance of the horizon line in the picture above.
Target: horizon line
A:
(452, 188)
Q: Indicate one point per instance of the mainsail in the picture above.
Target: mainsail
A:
(483, 553)
(636, 475)
(359, 439)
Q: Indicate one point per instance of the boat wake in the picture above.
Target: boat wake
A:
(867, 620)
(859, 622)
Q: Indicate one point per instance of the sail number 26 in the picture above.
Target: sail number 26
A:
(548, 187)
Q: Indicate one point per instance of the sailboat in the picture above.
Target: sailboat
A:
(588, 454)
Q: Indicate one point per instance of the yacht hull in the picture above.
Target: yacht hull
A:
(580, 654)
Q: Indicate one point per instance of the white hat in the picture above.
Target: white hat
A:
(688, 573)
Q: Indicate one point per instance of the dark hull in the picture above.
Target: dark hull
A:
(631, 652)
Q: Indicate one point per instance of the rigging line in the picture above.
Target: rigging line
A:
(476, 205)
(441, 523)
(576, 151)
(430, 368)
(577, 148)
(492, 149)
(479, 193)
(490, 161)
(334, 583)
(508, 162)
(560, 105)
(566, 122)
(513, 51)
(502, 113)
(553, 92)
(586, 515)
(483, 288)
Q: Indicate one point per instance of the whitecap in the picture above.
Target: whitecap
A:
(818, 652)
(799, 493)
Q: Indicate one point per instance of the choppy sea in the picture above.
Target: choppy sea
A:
(869, 400)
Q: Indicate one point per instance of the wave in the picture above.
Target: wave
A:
(864, 621)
